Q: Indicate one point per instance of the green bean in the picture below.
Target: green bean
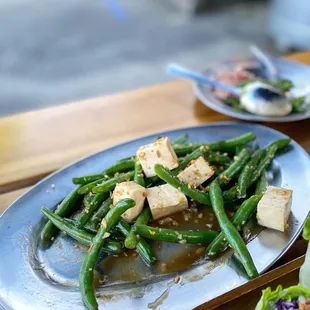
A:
(182, 150)
(80, 235)
(85, 179)
(211, 157)
(87, 227)
(231, 194)
(230, 232)
(87, 199)
(110, 184)
(183, 139)
(244, 212)
(122, 166)
(176, 236)
(188, 158)
(101, 212)
(222, 145)
(248, 227)
(86, 278)
(239, 162)
(169, 178)
(261, 184)
(264, 162)
(64, 209)
(87, 188)
(88, 211)
(216, 159)
(132, 240)
(115, 234)
(143, 248)
(245, 176)
(230, 144)
(280, 144)
(139, 176)
(133, 157)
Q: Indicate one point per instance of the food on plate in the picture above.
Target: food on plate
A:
(295, 297)
(262, 99)
(198, 172)
(160, 152)
(242, 76)
(274, 208)
(197, 194)
(130, 189)
(165, 200)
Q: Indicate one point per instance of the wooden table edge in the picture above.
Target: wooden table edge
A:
(257, 283)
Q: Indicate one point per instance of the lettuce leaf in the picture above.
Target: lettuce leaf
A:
(306, 231)
(269, 297)
(304, 272)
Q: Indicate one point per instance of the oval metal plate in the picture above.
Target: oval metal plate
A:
(294, 71)
(26, 282)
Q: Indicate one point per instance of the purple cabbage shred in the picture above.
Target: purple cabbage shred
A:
(287, 305)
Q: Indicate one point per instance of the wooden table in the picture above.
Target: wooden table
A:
(35, 143)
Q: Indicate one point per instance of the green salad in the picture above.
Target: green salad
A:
(283, 85)
(296, 297)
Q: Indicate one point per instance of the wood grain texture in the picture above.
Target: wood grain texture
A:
(36, 143)
(246, 296)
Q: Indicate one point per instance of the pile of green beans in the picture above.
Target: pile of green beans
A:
(247, 173)
(80, 235)
(131, 240)
(86, 278)
(88, 216)
(243, 213)
(230, 231)
(64, 209)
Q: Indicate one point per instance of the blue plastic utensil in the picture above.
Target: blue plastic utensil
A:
(180, 71)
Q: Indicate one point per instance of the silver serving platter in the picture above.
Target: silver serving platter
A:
(32, 278)
(287, 69)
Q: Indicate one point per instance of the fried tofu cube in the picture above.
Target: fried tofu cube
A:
(274, 208)
(131, 190)
(165, 200)
(196, 173)
(159, 152)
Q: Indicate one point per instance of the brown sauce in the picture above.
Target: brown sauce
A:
(171, 257)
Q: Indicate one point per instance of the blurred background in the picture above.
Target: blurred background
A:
(57, 51)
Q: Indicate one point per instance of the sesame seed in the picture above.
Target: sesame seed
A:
(176, 279)
(104, 223)
(106, 235)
